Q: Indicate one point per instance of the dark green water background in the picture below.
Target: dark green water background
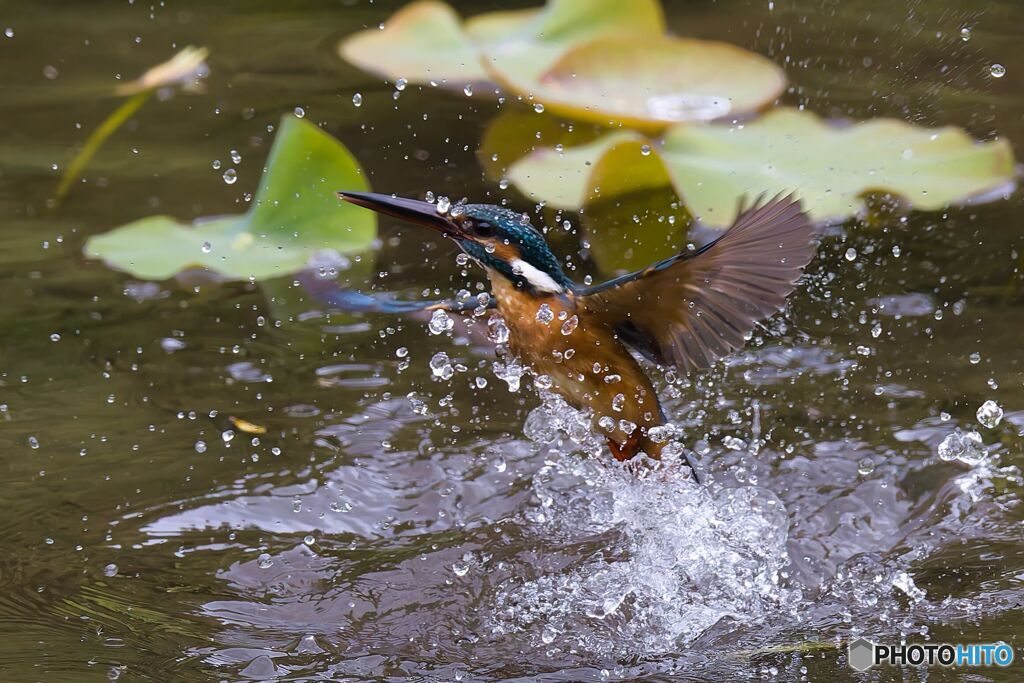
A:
(125, 552)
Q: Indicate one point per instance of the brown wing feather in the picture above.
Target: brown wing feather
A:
(693, 309)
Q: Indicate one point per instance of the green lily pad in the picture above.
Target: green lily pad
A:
(832, 168)
(423, 42)
(295, 215)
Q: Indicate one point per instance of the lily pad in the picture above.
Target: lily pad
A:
(516, 132)
(574, 176)
(647, 83)
(426, 42)
(422, 42)
(519, 47)
(295, 215)
(831, 167)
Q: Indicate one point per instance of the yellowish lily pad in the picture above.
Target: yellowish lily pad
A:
(655, 82)
(426, 41)
(423, 42)
(295, 216)
(831, 168)
(519, 47)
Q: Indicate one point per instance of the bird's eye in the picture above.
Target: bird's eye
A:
(482, 228)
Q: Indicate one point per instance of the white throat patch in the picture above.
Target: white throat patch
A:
(537, 278)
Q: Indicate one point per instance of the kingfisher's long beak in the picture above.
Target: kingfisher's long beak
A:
(411, 210)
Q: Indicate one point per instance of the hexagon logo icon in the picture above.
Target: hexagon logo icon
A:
(860, 654)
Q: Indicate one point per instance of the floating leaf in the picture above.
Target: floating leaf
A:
(600, 60)
(520, 46)
(426, 42)
(567, 179)
(831, 168)
(294, 216)
(648, 83)
(422, 42)
(516, 132)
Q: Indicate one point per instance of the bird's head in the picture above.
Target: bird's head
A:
(501, 240)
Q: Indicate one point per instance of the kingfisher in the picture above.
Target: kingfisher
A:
(686, 311)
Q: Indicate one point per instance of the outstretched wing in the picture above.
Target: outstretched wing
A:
(694, 308)
(329, 293)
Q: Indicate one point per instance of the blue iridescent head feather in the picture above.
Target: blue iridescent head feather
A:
(504, 226)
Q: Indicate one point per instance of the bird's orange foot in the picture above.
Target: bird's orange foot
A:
(628, 448)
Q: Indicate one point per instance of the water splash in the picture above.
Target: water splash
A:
(666, 559)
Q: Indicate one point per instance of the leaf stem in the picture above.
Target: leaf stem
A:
(98, 137)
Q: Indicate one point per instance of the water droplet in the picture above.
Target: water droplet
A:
(230, 176)
(401, 352)
(497, 331)
(440, 322)
(207, 247)
(441, 366)
(965, 33)
(110, 570)
(401, 83)
(569, 326)
(309, 539)
(851, 254)
(481, 382)
(227, 435)
(215, 164)
(357, 100)
(236, 157)
(967, 447)
(990, 414)
(645, 150)
(33, 442)
(50, 72)
(55, 337)
(9, 32)
(607, 423)
(544, 314)
(734, 443)
(468, 90)
(264, 561)
(539, 108)
(200, 446)
(618, 402)
(975, 358)
(460, 568)
(866, 466)
(300, 112)
(443, 204)
(997, 71)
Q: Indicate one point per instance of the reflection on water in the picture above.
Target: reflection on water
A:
(416, 520)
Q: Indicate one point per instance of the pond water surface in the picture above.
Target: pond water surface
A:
(459, 533)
